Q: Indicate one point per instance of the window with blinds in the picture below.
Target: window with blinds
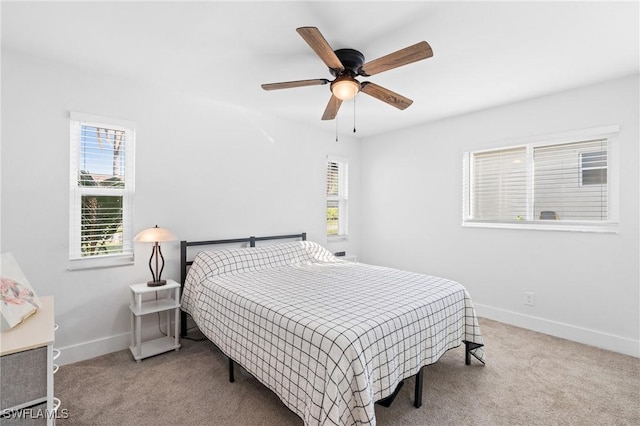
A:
(500, 184)
(101, 191)
(337, 197)
(549, 185)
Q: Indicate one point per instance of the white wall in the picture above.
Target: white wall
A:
(205, 170)
(210, 169)
(586, 285)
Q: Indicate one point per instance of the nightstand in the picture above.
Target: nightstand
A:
(167, 300)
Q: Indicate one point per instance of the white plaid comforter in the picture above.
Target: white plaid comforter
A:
(329, 337)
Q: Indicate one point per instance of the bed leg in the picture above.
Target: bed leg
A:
(386, 402)
(183, 324)
(417, 400)
(468, 347)
(231, 378)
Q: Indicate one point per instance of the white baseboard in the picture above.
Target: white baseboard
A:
(583, 335)
(623, 345)
(93, 348)
(105, 345)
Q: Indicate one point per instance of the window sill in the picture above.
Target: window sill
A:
(602, 228)
(100, 262)
(332, 238)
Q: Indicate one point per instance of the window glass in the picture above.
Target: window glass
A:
(594, 168)
(559, 183)
(500, 179)
(337, 197)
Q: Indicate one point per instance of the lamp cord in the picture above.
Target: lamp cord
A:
(182, 337)
(159, 328)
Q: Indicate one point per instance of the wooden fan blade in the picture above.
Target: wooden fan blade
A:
(408, 55)
(319, 44)
(332, 108)
(299, 83)
(385, 95)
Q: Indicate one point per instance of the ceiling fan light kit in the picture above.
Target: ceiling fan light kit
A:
(345, 87)
(346, 64)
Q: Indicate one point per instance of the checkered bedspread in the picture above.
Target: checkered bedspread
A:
(329, 337)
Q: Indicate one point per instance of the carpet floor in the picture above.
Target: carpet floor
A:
(529, 379)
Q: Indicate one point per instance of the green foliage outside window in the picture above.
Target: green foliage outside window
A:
(332, 221)
(101, 219)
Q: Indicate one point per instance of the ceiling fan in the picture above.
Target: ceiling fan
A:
(346, 64)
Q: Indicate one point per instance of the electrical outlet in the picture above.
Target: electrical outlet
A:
(529, 299)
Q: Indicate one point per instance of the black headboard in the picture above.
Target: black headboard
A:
(185, 262)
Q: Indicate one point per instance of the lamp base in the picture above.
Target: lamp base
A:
(156, 283)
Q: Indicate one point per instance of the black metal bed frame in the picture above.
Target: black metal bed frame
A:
(184, 264)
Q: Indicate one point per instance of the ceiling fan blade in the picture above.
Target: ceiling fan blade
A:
(319, 44)
(408, 55)
(298, 83)
(332, 108)
(385, 95)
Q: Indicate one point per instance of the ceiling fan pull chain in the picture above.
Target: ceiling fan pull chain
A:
(336, 129)
(354, 115)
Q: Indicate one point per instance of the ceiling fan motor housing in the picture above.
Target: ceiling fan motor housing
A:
(351, 59)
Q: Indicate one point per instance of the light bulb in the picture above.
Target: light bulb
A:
(345, 88)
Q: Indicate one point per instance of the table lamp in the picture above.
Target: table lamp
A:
(155, 235)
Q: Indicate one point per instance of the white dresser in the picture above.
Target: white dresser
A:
(27, 368)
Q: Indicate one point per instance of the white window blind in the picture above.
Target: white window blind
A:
(544, 184)
(337, 197)
(101, 191)
(500, 184)
(561, 189)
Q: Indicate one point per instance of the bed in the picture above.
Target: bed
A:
(328, 336)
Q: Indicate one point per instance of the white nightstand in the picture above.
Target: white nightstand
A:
(165, 303)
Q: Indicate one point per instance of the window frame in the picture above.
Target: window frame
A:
(610, 225)
(342, 198)
(76, 192)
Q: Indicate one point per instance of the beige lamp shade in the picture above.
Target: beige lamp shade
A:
(155, 234)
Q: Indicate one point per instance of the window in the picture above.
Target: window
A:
(101, 191)
(563, 182)
(593, 168)
(337, 197)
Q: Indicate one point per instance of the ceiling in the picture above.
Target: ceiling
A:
(485, 53)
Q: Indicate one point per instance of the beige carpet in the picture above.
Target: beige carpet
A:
(529, 379)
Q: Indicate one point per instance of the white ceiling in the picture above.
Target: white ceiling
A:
(485, 53)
